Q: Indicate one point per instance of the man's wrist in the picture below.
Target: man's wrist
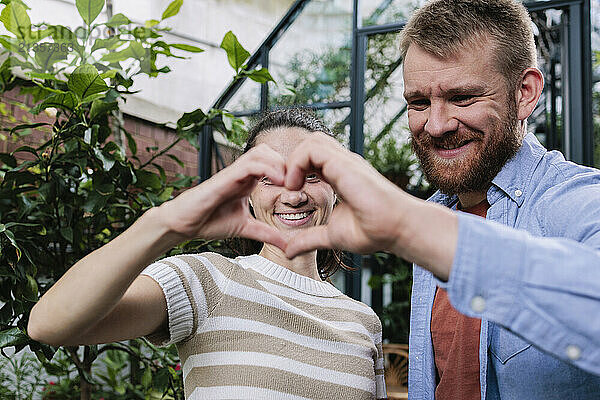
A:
(427, 235)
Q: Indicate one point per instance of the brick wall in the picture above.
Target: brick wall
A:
(146, 134)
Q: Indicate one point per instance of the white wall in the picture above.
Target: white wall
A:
(194, 82)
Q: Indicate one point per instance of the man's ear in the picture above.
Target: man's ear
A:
(529, 91)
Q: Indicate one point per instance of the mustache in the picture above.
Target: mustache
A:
(451, 139)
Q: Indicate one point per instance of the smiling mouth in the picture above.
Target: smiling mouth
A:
(295, 216)
(295, 219)
(453, 146)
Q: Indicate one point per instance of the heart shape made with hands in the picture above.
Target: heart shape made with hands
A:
(350, 177)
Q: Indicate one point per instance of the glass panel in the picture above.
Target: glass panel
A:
(383, 74)
(386, 120)
(247, 97)
(338, 120)
(546, 120)
(381, 12)
(311, 62)
(596, 74)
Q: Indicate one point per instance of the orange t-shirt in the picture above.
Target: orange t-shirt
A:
(455, 340)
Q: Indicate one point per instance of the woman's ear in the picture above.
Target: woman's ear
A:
(250, 207)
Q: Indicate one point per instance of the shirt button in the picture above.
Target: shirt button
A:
(573, 352)
(478, 304)
(518, 193)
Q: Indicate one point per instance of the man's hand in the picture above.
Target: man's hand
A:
(374, 214)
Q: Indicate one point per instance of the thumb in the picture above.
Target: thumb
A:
(308, 239)
(262, 232)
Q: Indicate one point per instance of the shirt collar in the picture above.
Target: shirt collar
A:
(513, 179)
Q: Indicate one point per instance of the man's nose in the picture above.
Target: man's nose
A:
(440, 120)
(293, 198)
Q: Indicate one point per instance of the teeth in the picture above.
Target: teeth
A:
(294, 216)
(451, 147)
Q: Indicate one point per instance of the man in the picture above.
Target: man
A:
(527, 274)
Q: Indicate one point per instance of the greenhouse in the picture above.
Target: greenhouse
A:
(152, 248)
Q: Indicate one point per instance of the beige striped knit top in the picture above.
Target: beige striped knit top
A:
(248, 328)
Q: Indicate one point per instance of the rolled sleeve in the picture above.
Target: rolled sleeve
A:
(179, 307)
(543, 289)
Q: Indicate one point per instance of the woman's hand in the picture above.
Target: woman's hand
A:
(218, 208)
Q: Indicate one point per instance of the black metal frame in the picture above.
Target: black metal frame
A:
(577, 90)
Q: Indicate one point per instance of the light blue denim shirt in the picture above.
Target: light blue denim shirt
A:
(531, 272)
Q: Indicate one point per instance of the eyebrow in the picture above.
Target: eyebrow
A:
(462, 90)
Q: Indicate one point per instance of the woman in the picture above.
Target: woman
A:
(259, 326)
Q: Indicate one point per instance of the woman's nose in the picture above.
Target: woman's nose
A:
(293, 198)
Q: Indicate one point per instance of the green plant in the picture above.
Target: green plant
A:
(19, 377)
(88, 181)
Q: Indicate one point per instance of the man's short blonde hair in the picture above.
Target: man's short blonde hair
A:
(444, 27)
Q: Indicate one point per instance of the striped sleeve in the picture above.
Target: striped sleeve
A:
(381, 391)
(191, 290)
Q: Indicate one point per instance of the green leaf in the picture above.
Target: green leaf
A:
(28, 149)
(130, 142)
(187, 47)
(12, 45)
(165, 194)
(172, 9)
(13, 241)
(89, 9)
(135, 50)
(12, 337)
(148, 180)
(47, 191)
(94, 202)
(85, 81)
(108, 44)
(191, 118)
(236, 54)
(64, 101)
(65, 38)
(67, 233)
(107, 160)
(47, 54)
(101, 107)
(118, 20)
(15, 19)
(260, 75)
(38, 93)
(42, 75)
(27, 126)
(147, 378)
(8, 159)
(31, 290)
(15, 1)
(37, 35)
(109, 74)
(177, 160)
(151, 23)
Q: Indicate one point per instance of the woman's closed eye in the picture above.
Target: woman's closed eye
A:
(309, 178)
(314, 177)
